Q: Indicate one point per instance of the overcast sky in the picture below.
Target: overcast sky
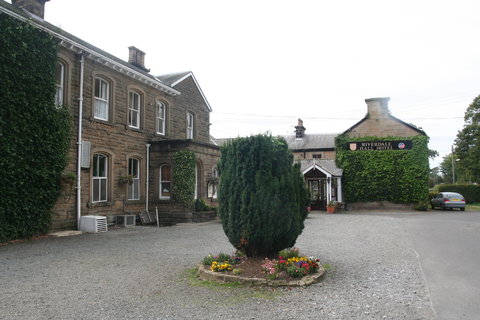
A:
(263, 64)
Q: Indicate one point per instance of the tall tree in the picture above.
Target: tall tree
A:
(467, 145)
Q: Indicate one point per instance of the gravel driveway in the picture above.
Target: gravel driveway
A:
(145, 273)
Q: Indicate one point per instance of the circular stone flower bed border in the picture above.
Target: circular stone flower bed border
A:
(206, 274)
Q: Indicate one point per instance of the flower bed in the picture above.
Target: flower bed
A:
(287, 269)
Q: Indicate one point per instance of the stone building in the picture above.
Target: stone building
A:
(316, 155)
(316, 152)
(128, 124)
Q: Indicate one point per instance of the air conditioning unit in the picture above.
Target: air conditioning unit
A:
(125, 220)
(93, 224)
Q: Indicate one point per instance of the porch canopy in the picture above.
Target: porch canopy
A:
(323, 179)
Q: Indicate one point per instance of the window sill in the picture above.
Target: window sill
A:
(99, 204)
(134, 129)
(139, 201)
(107, 123)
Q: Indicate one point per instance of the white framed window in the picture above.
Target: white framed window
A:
(161, 116)
(134, 109)
(190, 127)
(213, 184)
(134, 171)
(165, 182)
(101, 100)
(60, 84)
(99, 178)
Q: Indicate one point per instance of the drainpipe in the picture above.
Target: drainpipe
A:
(79, 144)
(146, 182)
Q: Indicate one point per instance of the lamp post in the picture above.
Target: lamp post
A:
(453, 167)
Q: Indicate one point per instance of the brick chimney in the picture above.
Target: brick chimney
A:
(137, 58)
(378, 107)
(299, 129)
(36, 7)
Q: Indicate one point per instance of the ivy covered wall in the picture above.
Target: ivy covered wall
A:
(398, 176)
(34, 133)
(184, 178)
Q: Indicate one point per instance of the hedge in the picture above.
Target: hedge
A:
(471, 192)
(399, 176)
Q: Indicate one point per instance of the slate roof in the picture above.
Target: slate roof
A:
(311, 141)
(326, 165)
(171, 78)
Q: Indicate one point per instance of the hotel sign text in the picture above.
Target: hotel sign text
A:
(380, 145)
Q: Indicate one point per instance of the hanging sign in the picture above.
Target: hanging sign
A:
(380, 145)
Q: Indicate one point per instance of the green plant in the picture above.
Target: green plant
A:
(289, 253)
(200, 205)
(126, 179)
(34, 133)
(183, 175)
(262, 196)
(332, 204)
(237, 271)
(327, 267)
(399, 176)
(220, 258)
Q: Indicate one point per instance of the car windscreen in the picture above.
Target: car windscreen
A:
(454, 196)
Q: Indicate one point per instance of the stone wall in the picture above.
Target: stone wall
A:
(119, 142)
(380, 123)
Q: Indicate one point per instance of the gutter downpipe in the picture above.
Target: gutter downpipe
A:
(148, 176)
(79, 144)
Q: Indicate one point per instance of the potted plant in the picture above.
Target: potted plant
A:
(127, 179)
(332, 206)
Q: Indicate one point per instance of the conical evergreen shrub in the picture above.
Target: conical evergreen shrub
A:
(262, 196)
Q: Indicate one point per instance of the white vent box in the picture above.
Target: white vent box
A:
(93, 224)
(85, 154)
(125, 220)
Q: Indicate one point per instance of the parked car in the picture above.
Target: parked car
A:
(448, 200)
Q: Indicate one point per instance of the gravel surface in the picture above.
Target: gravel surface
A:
(145, 273)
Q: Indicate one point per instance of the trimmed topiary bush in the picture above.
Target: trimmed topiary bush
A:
(262, 197)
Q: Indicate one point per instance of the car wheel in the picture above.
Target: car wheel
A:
(433, 207)
(462, 209)
(443, 207)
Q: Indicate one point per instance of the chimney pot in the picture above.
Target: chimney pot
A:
(300, 129)
(36, 7)
(378, 107)
(137, 58)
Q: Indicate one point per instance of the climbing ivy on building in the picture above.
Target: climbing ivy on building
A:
(399, 176)
(34, 133)
(183, 175)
